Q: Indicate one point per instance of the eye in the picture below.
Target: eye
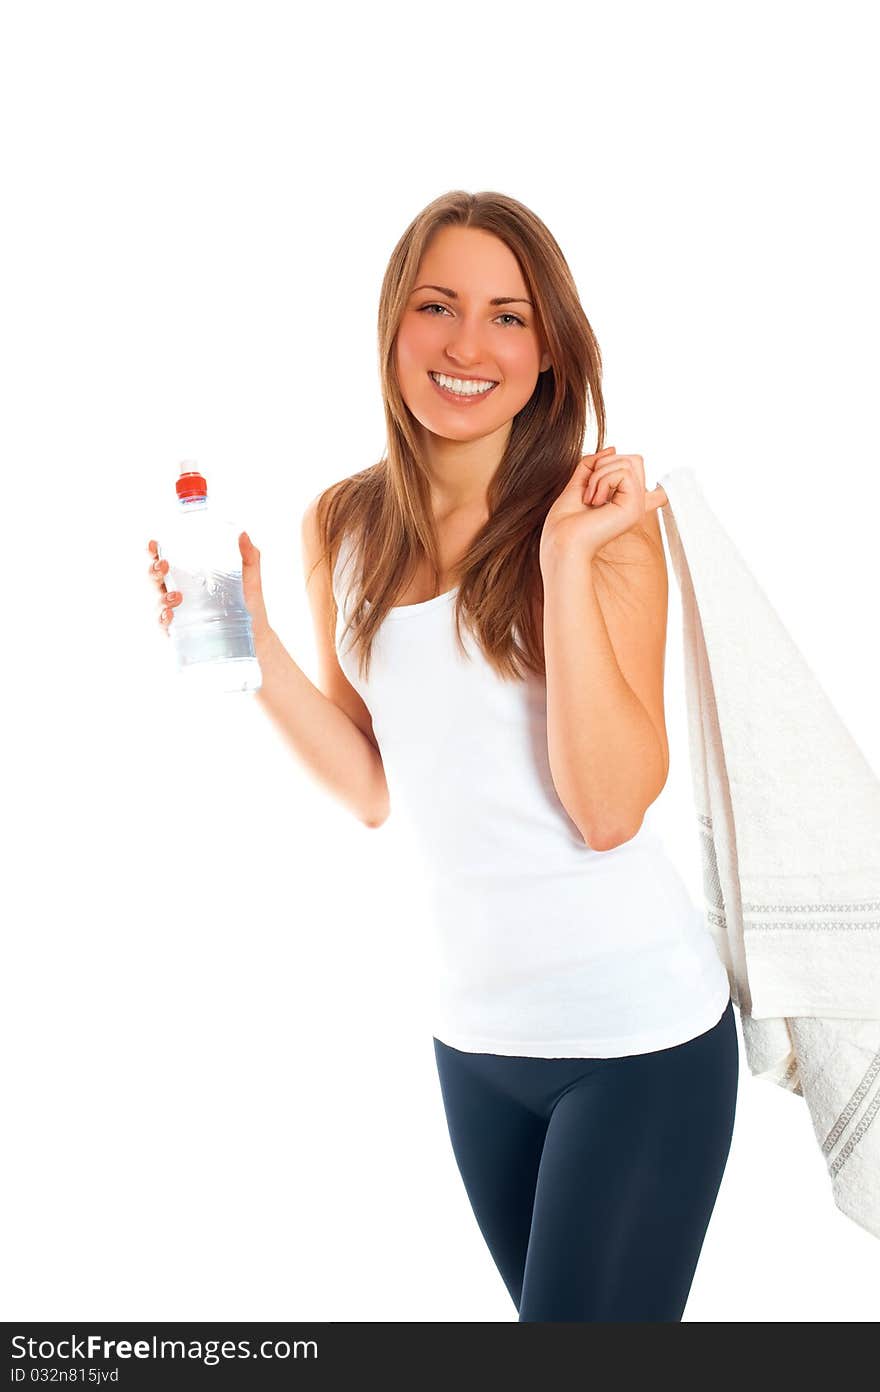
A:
(505, 315)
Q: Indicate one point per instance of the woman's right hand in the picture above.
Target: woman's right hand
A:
(251, 582)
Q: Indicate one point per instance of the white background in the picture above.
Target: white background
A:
(220, 1090)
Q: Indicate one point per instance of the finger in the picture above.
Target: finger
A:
(656, 497)
(167, 610)
(588, 461)
(604, 486)
(615, 470)
(158, 569)
(619, 464)
(620, 461)
(580, 475)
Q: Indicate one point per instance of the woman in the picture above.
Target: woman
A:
(490, 613)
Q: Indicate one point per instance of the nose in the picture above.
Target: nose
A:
(464, 354)
(463, 347)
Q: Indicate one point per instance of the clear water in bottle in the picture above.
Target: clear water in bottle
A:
(211, 631)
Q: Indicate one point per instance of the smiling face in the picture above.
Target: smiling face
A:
(452, 329)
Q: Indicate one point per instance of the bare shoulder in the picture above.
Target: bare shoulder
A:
(312, 551)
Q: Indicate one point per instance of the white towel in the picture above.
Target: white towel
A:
(789, 817)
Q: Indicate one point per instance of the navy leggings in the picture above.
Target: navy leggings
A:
(593, 1179)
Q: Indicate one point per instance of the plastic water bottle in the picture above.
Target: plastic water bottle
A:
(212, 636)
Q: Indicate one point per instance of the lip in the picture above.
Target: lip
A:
(473, 400)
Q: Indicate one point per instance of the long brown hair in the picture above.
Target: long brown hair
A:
(385, 509)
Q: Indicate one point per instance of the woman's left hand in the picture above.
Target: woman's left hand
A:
(604, 497)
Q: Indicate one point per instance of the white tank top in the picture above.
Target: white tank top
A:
(540, 946)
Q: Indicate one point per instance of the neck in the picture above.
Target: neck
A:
(461, 470)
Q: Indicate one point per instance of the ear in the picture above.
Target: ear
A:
(545, 362)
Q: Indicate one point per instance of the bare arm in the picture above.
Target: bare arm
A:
(329, 732)
(604, 650)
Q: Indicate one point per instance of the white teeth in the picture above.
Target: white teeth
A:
(462, 388)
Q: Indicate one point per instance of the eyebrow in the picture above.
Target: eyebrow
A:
(499, 299)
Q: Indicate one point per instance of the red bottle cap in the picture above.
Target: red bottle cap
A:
(191, 483)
